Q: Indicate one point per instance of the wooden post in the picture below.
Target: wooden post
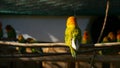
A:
(71, 64)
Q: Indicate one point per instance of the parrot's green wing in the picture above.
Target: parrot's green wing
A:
(11, 35)
(68, 41)
(77, 37)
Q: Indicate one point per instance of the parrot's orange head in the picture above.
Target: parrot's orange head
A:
(20, 37)
(111, 35)
(71, 21)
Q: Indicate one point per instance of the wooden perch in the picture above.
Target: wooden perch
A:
(107, 44)
(7, 43)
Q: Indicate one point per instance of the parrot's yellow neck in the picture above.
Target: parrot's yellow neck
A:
(71, 26)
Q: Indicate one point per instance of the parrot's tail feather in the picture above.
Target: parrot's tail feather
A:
(73, 52)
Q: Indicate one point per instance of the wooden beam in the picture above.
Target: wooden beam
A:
(65, 58)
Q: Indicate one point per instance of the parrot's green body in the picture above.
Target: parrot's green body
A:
(34, 50)
(107, 39)
(72, 35)
(11, 33)
(107, 51)
(21, 40)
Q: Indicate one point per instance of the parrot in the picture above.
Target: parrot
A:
(86, 38)
(11, 33)
(34, 50)
(111, 37)
(118, 36)
(72, 35)
(105, 52)
(107, 39)
(21, 40)
(1, 31)
(31, 40)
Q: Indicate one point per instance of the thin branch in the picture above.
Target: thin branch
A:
(104, 23)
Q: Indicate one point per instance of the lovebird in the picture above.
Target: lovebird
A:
(31, 40)
(21, 40)
(111, 37)
(11, 33)
(86, 39)
(34, 50)
(1, 31)
(106, 51)
(105, 40)
(118, 36)
(72, 35)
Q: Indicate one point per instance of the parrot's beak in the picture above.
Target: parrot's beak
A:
(75, 44)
